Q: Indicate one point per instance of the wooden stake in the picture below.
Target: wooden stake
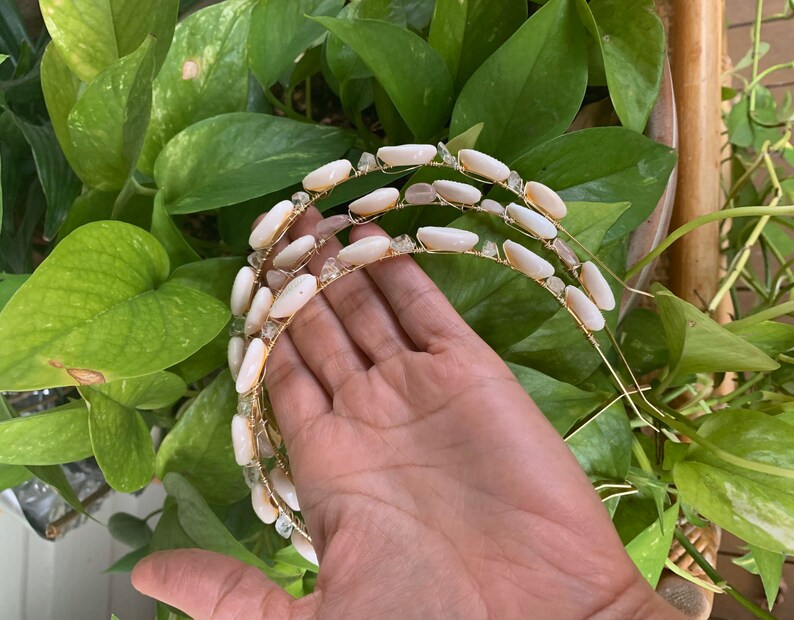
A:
(696, 31)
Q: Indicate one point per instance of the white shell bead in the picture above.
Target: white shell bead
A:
(271, 225)
(484, 165)
(546, 198)
(325, 177)
(491, 206)
(257, 314)
(584, 309)
(532, 222)
(365, 251)
(526, 261)
(378, 201)
(241, 291)
(242, 440)
(234, 355)
(291, 255)
(443, 239)
(294, 296)
(252, 365)
(456, 192)
(284, 488)
(304, 547)
(597, 286)
(263, 507)
(407, 154)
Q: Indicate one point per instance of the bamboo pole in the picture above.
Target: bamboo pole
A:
(696, 31)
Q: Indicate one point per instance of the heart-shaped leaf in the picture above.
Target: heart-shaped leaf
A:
(631, 39)
(200, 80)
(466, 32)
(93, 34)
(697, 343)
(108, 122)
(530, 89)
(650, 548)
(200, 446)
(603, 164)
(235, 157)
(60, 87)
(55, 436)
(280, 33)
(409, 70)
(99, 309)
(119, 436)
(756, 507)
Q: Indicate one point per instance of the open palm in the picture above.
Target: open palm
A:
(431, 484)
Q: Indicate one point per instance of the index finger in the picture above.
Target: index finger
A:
(420, 307)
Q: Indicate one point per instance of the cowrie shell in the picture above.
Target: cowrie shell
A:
(295, 295)
(456, 192)
(291, 255)
(241, 291)
(484, 165)
(251, 368)
(532, 222)
(407, 154)
(262, 505)
(271, 225)
(444, 239)
(546, 199)
(242, 440)
(257, 313)
(597, 286)
(526, 261)
(584, 309)
(303, 547)
(284, 488)
(365, 251)
(327, 176)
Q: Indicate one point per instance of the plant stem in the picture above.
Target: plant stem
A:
(759, 16)
(308, 95)
(674, 236)
(642, 459)
(142, 189)
(279, 105)
(744, 254)
(718, 580)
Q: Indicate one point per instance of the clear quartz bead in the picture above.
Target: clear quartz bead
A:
(237, 326)
(284, 525)
(403, 244)
(447, 157)
(255, 259)
(251, 475)
(245, 405)
(269, 330)
(275, 279)
(300, 199)
(262, 440)
(420, 194)
(555, 285)
(489, 248)
(565, 253)
(330, 271)
(366, 162)
(514, 182)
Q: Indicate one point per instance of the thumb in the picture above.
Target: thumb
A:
(209, 585)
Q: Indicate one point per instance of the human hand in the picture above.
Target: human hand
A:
(430, 482)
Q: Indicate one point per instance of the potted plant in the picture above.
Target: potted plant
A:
(133, 168)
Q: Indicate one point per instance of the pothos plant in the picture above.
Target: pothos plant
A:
(138, 148)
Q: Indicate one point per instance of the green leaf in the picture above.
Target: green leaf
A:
(642, 341)
(127, 562)
(603, 447)
(530, 89)
(466, 32)
(562, 404)
(9, 285)
(649, 549)
(409, 70)
(54, 476)
(201, 524)
(168, 533)
(114, 28)
(213, 276)
(697, 343)
(208, 358)
(756, 507)
(353, 77)
(119, 436)
(55, 436)
(99, 309)
(770, 568)
(603, 164)
(200, 80)
(235, 157)
(12, 475)
(108, 122)
(631, 38)
(200, 447)
(180, 252)
(60, 87)
(281, 32)
(60, 184)
(91, 206)
(771, 337)
(129, 529)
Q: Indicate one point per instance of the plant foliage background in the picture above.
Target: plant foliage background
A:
(139, 143)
